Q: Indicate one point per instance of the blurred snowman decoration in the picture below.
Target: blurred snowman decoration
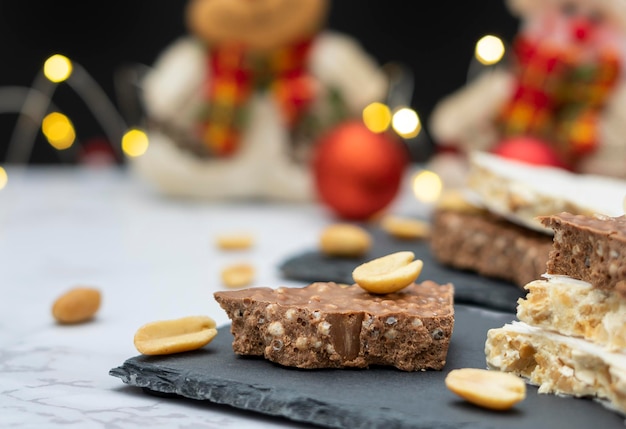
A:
(233, 108)
(560, 101)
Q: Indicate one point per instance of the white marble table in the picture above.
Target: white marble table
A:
(152, 258)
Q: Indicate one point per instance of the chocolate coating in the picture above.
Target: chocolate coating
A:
(327, 325)
(489, 245)
(589, 248)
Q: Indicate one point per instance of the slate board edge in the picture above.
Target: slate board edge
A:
(285, 403)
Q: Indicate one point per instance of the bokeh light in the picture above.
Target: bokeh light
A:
(489, 50)
(57, 68)
(59, 130)
(427, 186)
(406, 123)
(377, 117)
(4, 178)
(134, 142)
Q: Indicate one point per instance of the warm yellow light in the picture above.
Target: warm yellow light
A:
(59, 130)
(427, 186)
(406, 123)
(135, 143)
(377, 117)
(489, 50)
(57, 68)
(4, 178)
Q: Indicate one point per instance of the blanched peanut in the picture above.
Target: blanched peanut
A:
(486, 388)
(388, 273)
(234, 241)
(237, 275)
(345, 239)
(76, 305)
(453, 200)
(174, 336)
(405, 228)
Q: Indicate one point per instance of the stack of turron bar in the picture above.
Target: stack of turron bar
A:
(496, 233)
(570, 338)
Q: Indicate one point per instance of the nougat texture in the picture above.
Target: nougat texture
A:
(575, 308)
(558, 364)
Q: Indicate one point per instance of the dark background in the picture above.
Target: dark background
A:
(436, 42)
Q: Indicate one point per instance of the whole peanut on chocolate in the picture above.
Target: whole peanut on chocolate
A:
(389, 273)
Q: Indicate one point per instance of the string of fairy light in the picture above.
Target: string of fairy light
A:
(427, 186)
(60, 133)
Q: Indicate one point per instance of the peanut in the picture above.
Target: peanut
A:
(237, 275)
(345, 240)
(454, 200)
(175, 336)
(405, 228)
(234, 241)
(388, 273)
(490, 389)
(77, 305)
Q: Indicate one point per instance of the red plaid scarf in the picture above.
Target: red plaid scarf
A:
(235, 74)
(558, 98)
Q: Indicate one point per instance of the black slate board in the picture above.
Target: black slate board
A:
(470, 288)
(378, 397)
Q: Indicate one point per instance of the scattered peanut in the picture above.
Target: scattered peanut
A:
(486, 388)
(454, 200)
(234, 241)
(405, 228)
(345, 239)
(388, 273)
(237, 275)
(175, 336)
(76, 305)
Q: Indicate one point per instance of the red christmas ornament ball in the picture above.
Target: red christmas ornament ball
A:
(358, 172)
(97, 152)
(530, 150)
